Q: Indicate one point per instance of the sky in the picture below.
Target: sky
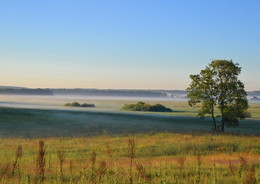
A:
(130, 44)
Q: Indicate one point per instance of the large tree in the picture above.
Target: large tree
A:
(218, 87)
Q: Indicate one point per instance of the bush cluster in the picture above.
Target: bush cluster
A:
(141, 106)
(77, 104)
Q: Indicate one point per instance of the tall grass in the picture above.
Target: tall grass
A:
(18, 156)
(40, 162)
(125, 160)
(131, 151)
(61, 158)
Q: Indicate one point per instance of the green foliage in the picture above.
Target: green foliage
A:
(141, 106)
(77, 104)
(73, 104)
(218, 86)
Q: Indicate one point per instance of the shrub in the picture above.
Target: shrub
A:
(159, 108)
(87, 105)
(141, 106)
(77, 104)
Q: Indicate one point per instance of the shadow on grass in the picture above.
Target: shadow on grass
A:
(15, 122)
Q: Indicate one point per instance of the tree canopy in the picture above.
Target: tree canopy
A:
(218, 87)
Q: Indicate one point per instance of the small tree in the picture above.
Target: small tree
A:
(217, 86)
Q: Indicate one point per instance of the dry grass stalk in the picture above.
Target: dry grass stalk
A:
(108, 151)
(198, 158)
(71, 167)
(250, 177)
(5, 170)
(18, 156)
(198, 178)
(99, 173)
(40, 162)
(110, 156)
(181, 162)
(232, 168)
(93, 159)
(131, 153)
(142, 172)
(131, 148)
(61, 157)
(102, 170)
(243, 163)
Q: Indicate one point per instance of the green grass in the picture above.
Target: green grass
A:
(160, 156)
(15, 122)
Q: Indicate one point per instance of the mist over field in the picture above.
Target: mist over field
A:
(104, 99)
(111, 102)
(50, 115)
(58, 101)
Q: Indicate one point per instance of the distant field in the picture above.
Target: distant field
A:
(101, 103)
(180, 108)
(40, 116)
(18, 122)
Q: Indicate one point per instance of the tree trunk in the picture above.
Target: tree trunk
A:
(222, 96)
(222, 119)
(214, 120)
(222, 125)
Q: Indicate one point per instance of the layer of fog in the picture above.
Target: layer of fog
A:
(103, 103)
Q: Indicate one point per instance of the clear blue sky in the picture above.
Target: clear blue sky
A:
(144, 44)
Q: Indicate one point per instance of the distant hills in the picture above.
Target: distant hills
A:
(13, 90)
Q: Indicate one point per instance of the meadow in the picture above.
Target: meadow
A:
(108, 145)
(141, 158)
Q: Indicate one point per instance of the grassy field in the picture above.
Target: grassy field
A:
(28, 123)
(108, 145)
(141, 158)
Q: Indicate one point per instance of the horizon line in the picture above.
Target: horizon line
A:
(23, 87)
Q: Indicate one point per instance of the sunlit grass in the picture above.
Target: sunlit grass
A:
(159, 154)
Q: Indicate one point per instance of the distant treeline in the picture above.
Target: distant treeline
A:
(129, 92)
(253, 93)
(117, 92)
(93, 92)
(101, 92)
(25, 91)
